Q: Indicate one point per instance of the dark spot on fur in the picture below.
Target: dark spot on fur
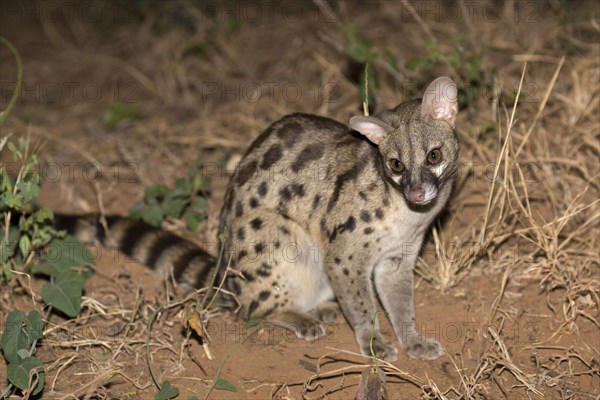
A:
(298, 189)
(290, 133)
(362, 195)
(264, 295)
(242, 254)
(349, 226)
(365, 216)
(368, 230)
(316, 201)
(241, 234)
(348, 175)
(272, 155)
(263, 188)
(239, 209)
(378, 213)
(337, 260)
(249, 276)
(311, 152)
(259, 247)
(234, 285)
(253, 202)
(256, 223)
(366, 245)
(264, 270)
(277, 244)
(286, 194)
(346, 272)
(284, 230)
(246, 172)
(252, 307)
(386, 202)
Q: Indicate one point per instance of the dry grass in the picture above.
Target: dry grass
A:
(525, 214)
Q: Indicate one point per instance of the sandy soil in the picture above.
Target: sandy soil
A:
(518, 317)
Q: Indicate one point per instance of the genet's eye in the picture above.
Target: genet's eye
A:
(396, 165)
(434, 156)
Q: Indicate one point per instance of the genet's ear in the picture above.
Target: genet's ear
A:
(373, 128)
(440, 101)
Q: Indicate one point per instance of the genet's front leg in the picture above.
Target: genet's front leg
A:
(394, 283)
(352, 285)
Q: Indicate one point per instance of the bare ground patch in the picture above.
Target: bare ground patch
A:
(510, 278)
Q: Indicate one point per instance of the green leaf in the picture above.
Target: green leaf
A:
(358, 46)
(43, 215)
(6, 250)
(118, 114)
(251, 322)
(28, 190)
(167, 392)
(68, 253)
(11, 201)
(6, 270)
(48, 269)
(192, 220)
(415, 63)
(174, 207)
(222, 384)
(25, 245)
(153, 215)
(18, 373)
(65, 293)
(19, 333)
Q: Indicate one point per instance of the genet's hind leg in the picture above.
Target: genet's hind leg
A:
(328, 312)
(303, 325)
(283, 282)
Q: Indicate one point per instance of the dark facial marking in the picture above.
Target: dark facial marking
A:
(378, 213)
(253, 202)
(368, 230)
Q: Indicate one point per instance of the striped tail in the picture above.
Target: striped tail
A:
(158, 249)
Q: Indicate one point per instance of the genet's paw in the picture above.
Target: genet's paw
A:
(419, 346)
(381, 349)
(310, 330)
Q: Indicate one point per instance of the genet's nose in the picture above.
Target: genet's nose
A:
(417, 195)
